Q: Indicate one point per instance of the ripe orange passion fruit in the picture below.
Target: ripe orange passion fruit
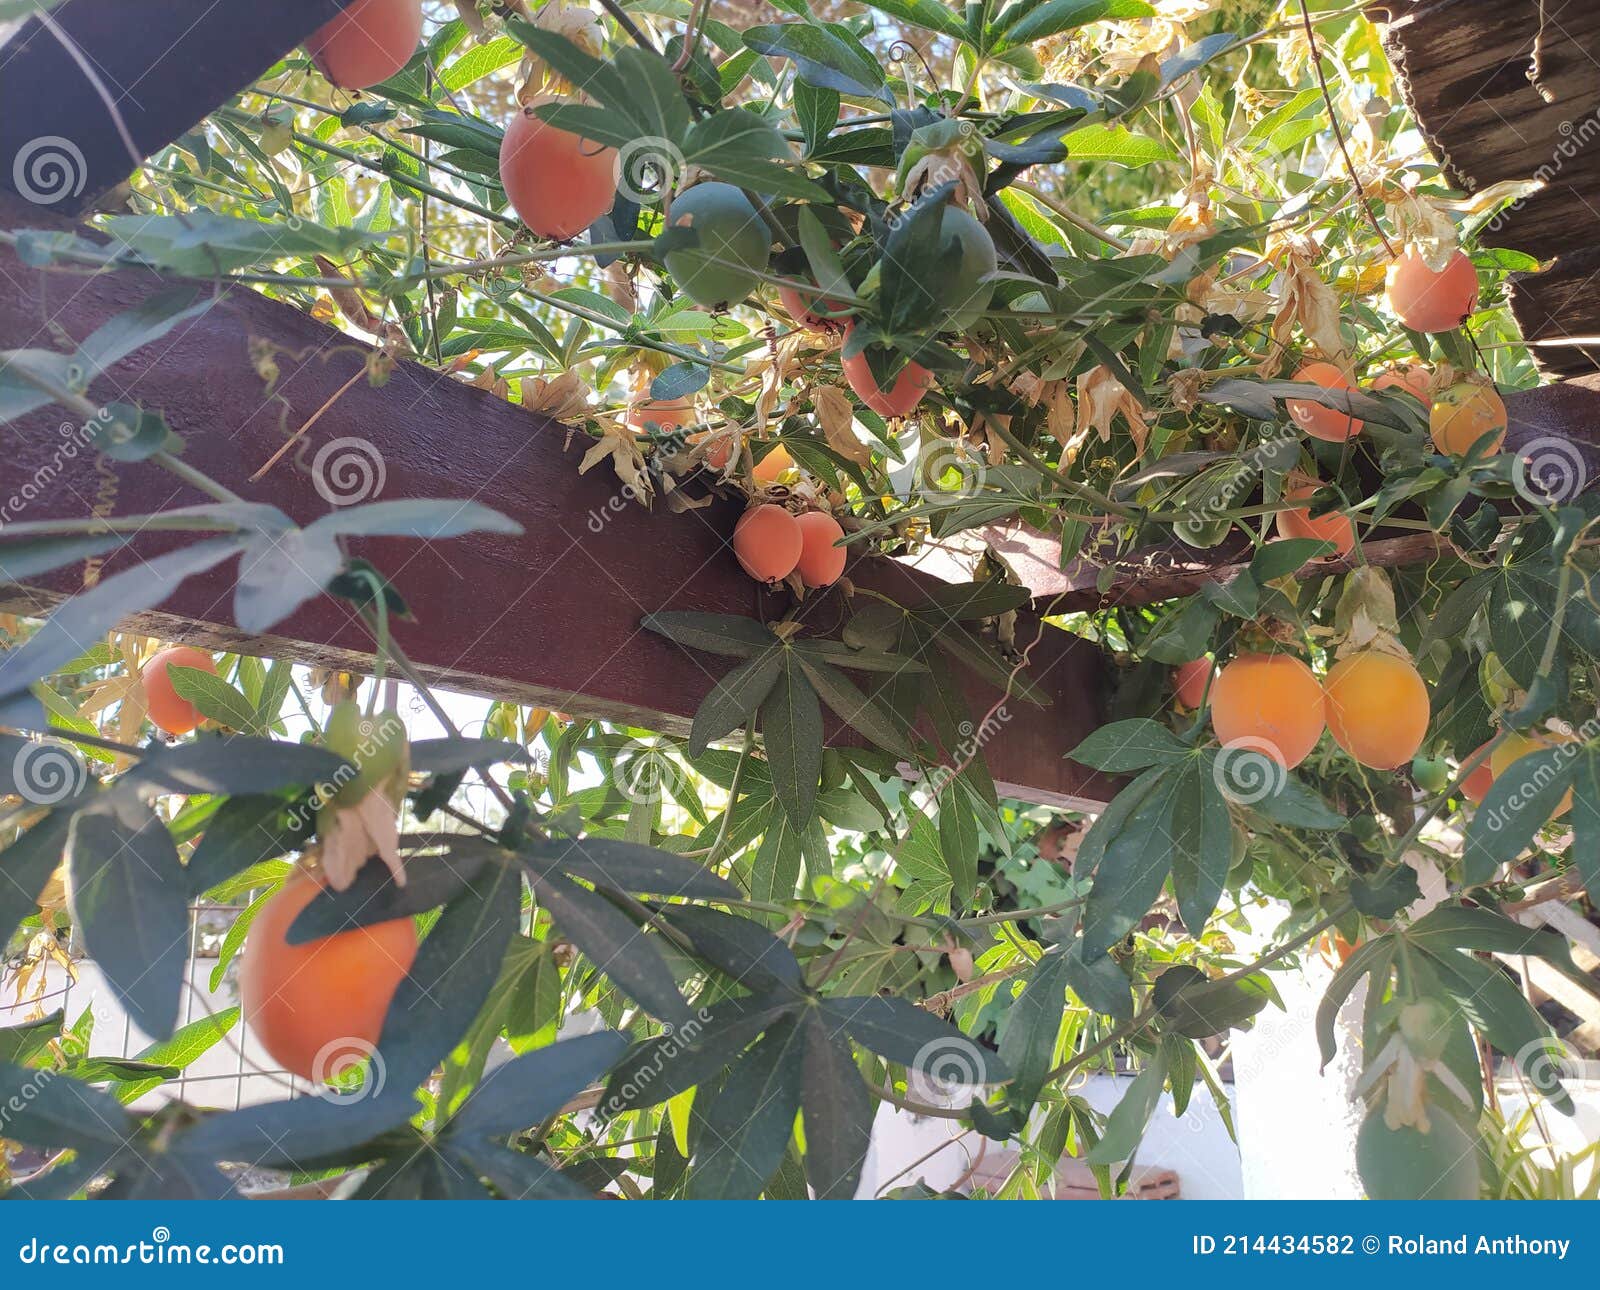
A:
(1268, 703)
(318, 1007)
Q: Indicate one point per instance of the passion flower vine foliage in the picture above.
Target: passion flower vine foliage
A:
(1127, 276)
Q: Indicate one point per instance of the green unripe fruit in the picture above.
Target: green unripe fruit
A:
(1430, 773)
(376, 746)
(733, 250)
(1407, 1164)
(975, 266)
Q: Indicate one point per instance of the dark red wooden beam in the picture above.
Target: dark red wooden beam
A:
(72, 80)
(549, 618)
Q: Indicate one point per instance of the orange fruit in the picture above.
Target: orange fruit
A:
(1427, 301)
(318, 1008)
(1297, 522)
(168, 710)
(909, 386)
(558, 183)
(1476, 785)
(1465, 413)
(1316, 420)
(1516, 746)
(1413, 378)
(821, 562)
(367, 43)
(1268, 703)
(773, 464)
(768, 542)
(1377, 708)
(654, 416)
(799, 306)
(1189, 680)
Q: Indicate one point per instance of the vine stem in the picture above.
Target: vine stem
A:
(628, 25)
(1338, 130)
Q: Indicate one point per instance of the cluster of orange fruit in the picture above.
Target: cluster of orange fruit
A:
(771, 543)
(1468, 409)
(1374, 703)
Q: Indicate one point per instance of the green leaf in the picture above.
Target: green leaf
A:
(746, 150)
(226, 764)
(19, 1045)
(665, 1065)
(130, 899)
(1280, 558)
(734, 699)
(1031, 1028)
(851, 706)
(740, 1132)
(791, 731)
(775, 868)
(1184, 634)
(373, 896)
(49, 1110)
(958, 842)
(739, 947)
(828, 57)
(89, 615)
(461, 752)
(900, 1031)
(1285, 799)
(1026, 21)
(25, 867)
(1521, 614)
(1585, 820)
(428, 518)
(612, 943)
(22, 560)
(1126, 1124)
(928, 14)
(968, 600)
(245, 831)
(1130, 745)
(1100, 982)
(535, 1086)
(1519, 802)
(1372, 958)
(1202, 845)
(1194, 1005)
(186, 1046)
(456, 964)
(1386, 893)
(1501, 1015)
(713, 633)
(817, 110)
(214, 697)
(1129, 849)
(1117, 144)
(838, 1112)
(1487, 931)
(628, 866)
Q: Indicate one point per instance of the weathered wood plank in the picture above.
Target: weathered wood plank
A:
(1464, 70)
(549, 618)
(162, 67)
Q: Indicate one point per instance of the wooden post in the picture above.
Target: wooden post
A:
(549, 618)
(90, 88)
